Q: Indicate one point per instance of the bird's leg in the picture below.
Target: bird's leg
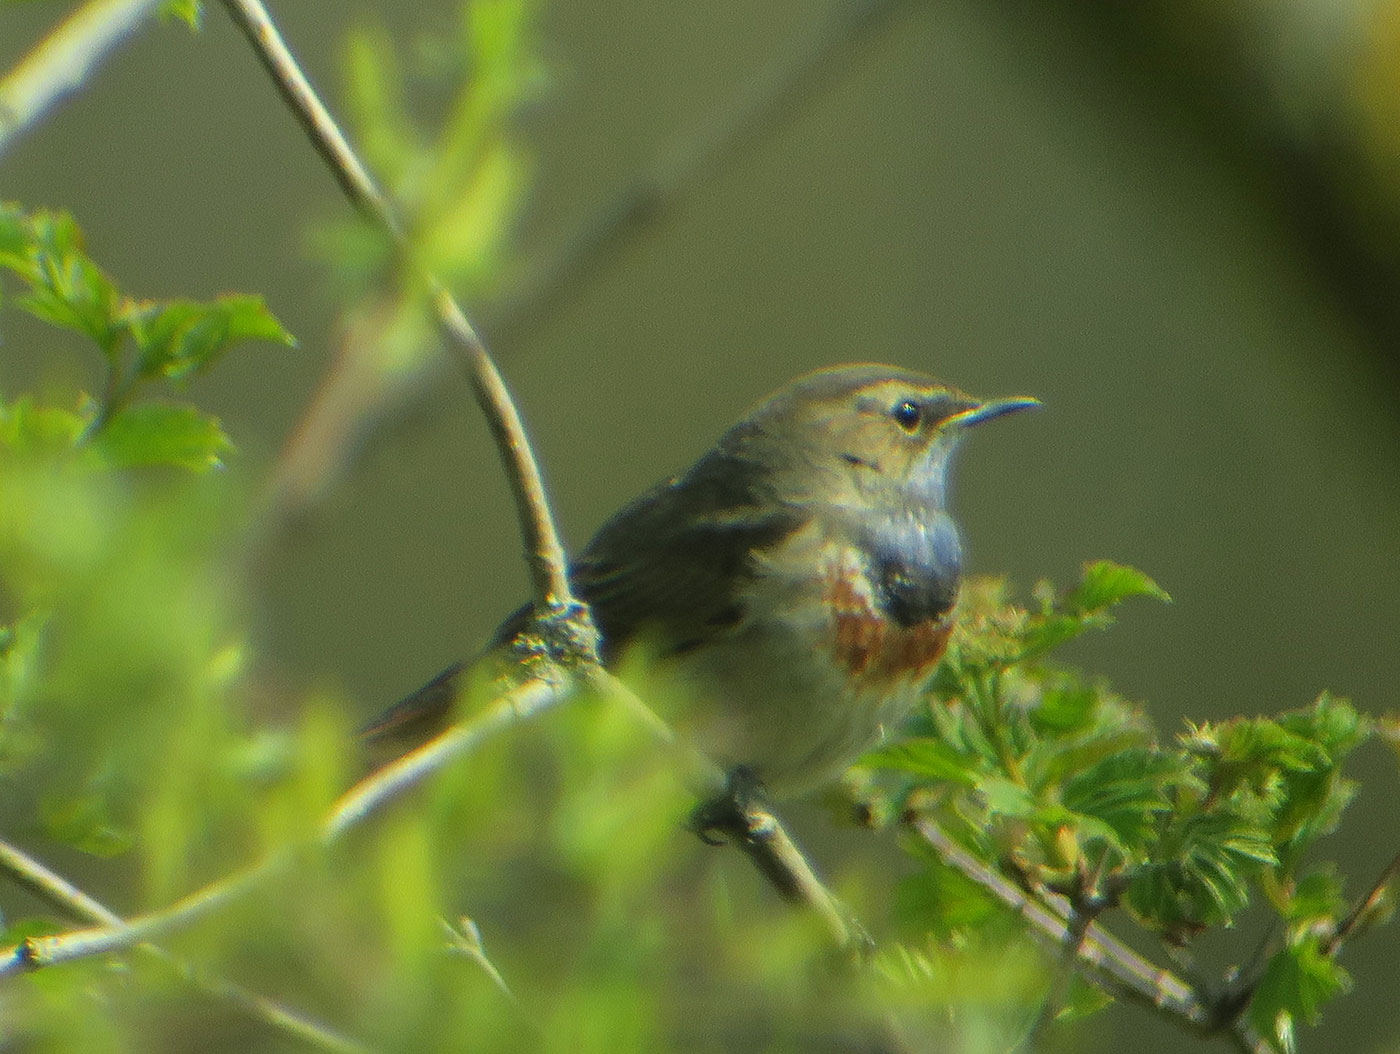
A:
(729, 816)
(742, 815)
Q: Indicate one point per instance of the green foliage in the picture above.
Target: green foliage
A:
(584, 917)
(117, 638)
(458, 186)
(141, 343)
(1055, 781)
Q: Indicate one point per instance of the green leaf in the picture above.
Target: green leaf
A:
(1105, 584)
(38, 430)
(1007, 798)
(1043, 633)
(1127, 791)
(1069, 706)
(162, 434)
(1298, 981)
(179, 337)
(1082, 1000)
(190, 12)
(85, 823)
(66, 288)
(930, 758)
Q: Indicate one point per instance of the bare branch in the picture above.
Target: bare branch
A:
(1364, 910)
(64, 60)
(347, 405)
(537, 694)
(1108, 962)
(544, 551)
(68, 898)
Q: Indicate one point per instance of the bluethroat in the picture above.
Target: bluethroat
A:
(792, 592)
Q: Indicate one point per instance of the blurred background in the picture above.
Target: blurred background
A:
(1177, 223)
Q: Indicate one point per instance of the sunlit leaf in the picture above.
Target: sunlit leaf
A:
(163, 434)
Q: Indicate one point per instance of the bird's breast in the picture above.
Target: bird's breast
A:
(875, 649)
(876, 609)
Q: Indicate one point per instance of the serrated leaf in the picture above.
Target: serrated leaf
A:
(162, 434)
(1106, 583)
(179, 337)
(1297, 983)
(1045, 633)
(929, 758)
(1127, 791)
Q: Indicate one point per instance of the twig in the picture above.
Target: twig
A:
(62, 894)
(767, 844)
(544, 552)
(64, 60)
(1077, 922)
(771, 97)
(346, 406)
(1332, 946)
(749, 823)
(532, 697)
(1108, 962)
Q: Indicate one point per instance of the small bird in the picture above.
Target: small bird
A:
(791, 594)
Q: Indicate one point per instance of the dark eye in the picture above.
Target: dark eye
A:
(907, 415)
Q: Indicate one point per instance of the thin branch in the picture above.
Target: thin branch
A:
(767, 844)
(747, 821)
(64, 60)
(544, 551)
(1364, 909)
(346, 405)
(534, 696)
(1077, 923)
(772, 97)
(1108, 962)
(68, 898)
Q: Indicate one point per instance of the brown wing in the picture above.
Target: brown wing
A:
(668, 565)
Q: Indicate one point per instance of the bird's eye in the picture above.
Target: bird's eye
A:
(907, 415)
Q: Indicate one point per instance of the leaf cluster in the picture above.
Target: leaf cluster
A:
(141, 344)
(116, 633)
(1056, 782)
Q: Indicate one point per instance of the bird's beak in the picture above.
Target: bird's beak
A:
(990, 409)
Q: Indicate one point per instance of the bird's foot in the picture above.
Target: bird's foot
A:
(729, 816)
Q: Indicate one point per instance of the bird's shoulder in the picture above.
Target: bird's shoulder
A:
(676, 560)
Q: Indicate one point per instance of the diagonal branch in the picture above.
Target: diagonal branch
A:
(351, 400)
(64, 60)
(1365, 910)
(62, 894)
(534, 696)
(1105, 960)
(544, 552)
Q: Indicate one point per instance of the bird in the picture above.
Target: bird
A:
(788, 596)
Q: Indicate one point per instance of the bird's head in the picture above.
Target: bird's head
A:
(863, 435)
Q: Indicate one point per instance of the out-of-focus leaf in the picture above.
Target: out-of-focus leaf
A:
(162, 434)
(1106, 583)
(85, 822)
(44, 431)
(931, 758)
(190, 12)
(1297, 983)
(179, 337)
